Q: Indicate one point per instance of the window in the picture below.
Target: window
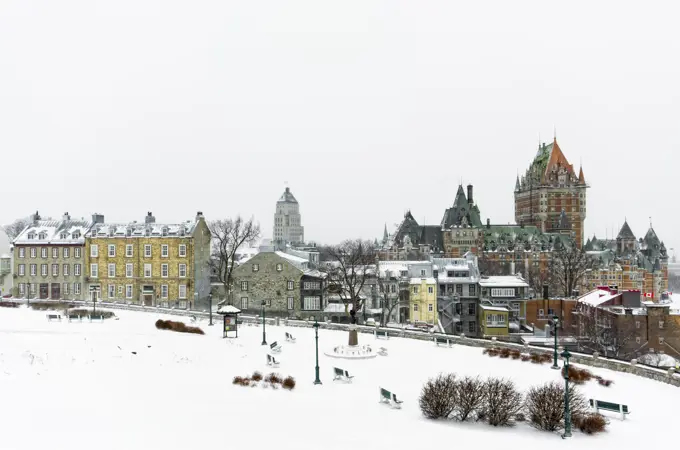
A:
(128, 251)
(34, 270)
(128, 270)
(55, 270)
(55, 253)
(94, 270)
(291, 302)
(164, 270)
(164, 291)
(76, 270)
(22, 288)
(661, 340)
(128, 291)
(637, 324)
(661, 324)
(244, 285)
(147, 270)
(76, 252)
(422, 272)
(472, 326)
(22, 270)
(244, 302)
(164, 251)
(94, 251)
(112, 271)
(76, 288)
(459, 289)
(182, 250)
(472, 309)
(33, 252)
(311, 285)
(112, 291)
(541, 313)
(67, 251)
(256, 267)
(472, 290)
(43, 270)
(279, 267)
(182, 291)
(430, 290)
(65, 270)
(182, 270)
(291, 285)
(43, 252)
(430, 307)
(22, 252)
(415, 289)
(147, 251)
(312, 303)
(65, 288)
(415, 307)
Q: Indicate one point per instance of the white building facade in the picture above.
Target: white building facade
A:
(288, 227)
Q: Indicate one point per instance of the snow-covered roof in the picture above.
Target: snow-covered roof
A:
(454, 268)
(503, 281)
(493, 308)
(292, 258)
(54, 232)
(420, 280)
(228, 309)
(597, 297)
(136, 229)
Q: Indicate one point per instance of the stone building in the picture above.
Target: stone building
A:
(458, 293)
(549, 187)
(511, 292)
(49, 260)
(288, 227)
(285, 283)
(149, 263)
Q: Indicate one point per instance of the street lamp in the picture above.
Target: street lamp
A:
(316, 337)
(264, 324)
(210, 299)
(567, 414)
(555, 321)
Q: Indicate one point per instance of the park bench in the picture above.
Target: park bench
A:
(609, 406)
(271, 361)
(51, 317)
(74, 317)
(275, 347)
(388, 397)
(96, 317)
(289, 337)
(382, 351)
(442, 341)
(378, 335)
(340, 374)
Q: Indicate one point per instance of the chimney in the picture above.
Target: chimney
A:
(36, 217)
(469, 196)
(66, 216)
(287, 190)
(488, 223)
(199, 216)
(149, 218)
(546, 291)
(97, 218)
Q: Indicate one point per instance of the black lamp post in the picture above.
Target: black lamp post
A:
(264, 324)
(567, 413)
(210, 310)
(316, 337)
(555, 321)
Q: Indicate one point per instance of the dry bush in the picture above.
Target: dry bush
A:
(536, 358)
(237, 380)
(438, 397)
(162, 324)
(241, 381)
(179, 327)
(492, 352)
(9, 305)
(590, 423)
(504, 353)
(515, 354)
(525, 358)
(56, 306)
(519, 417)
(469, 398)
(288, 383)
(89, 312)
(273, 378)
(257, 376)
(604, 382)
(502, 402)
(577, 375)
(545, 405)
(545, 358)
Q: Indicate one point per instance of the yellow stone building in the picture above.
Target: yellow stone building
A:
(423, 300)
(493, 320)
(148, 263)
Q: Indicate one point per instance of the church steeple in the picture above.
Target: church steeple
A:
(385, 235)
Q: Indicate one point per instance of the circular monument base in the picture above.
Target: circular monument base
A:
(352, 352)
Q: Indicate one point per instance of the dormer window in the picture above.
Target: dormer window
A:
(76, 234)
(42, 236)
(164, 231)
(31, 235)
(63, 235)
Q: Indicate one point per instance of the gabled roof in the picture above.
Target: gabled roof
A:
(54, 232)
(461, 213)
(287, 197)
(550, 156)
(626, 232)
(432, 235)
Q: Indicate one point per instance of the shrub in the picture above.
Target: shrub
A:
(257, 376)
(438, 397)
(519, 417)
(604, 382)
(288, 383)
(241, 381)
(469, 398)
(515, 354)
(273, 378)
(88, 312)
(4, 304)
(577, 375)
(590, 423)
(492, 352)
(536, 358)
(502, 402)
(504, 353)
(545, 358)
(237, 380)
(179, 327)
(545, 405)
(525, 358)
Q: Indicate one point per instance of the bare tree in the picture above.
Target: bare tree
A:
(228, 235)
(606, 332)
(538, 276)
(569, 267)
(15, 228)
(389, 299)
(492, 267)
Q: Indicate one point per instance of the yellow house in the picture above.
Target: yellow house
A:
(148, 263)
(493, 320)
(423, 300)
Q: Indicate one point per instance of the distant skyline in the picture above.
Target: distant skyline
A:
(366, 108)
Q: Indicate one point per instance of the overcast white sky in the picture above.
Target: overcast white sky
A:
(366, 108)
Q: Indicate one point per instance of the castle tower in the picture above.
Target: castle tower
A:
(550, 186)
(287, 221)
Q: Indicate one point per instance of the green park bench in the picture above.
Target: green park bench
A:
(340, 374)
(381, 334)
(51, 317)
(93, 317)
(389, 397)
(74, 317)
(609, 406)
(271, 361)
(275, 347)
(442, 341)
(289, 337)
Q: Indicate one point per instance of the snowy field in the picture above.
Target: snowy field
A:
(79, 386)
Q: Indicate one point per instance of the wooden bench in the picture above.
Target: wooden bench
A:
(442, 341)
(51, 317)
(74, 317)
(289, 337)
(275, 347)
(340, 374)
(384, 335)
(388, 397)
(597, 405)
(271, 361)
(93, 317)
(382, 351)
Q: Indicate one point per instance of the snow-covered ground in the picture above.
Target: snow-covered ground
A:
(79, 386)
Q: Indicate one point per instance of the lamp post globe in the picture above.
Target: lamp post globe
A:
(264, 324)
(567, 412)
